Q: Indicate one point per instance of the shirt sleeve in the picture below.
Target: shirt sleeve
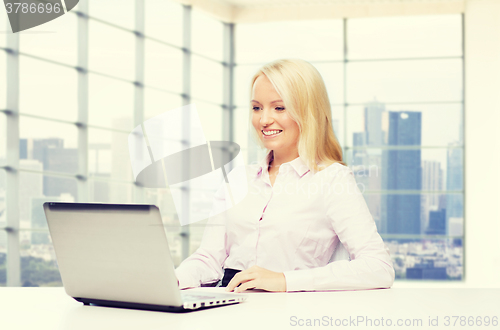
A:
(205, 264)
(370, 266)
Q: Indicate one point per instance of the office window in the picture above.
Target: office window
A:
(437, 80)
(318, 40)
(111, 102)
(206, 80)
(102, 191)
(392, 84)
(3, 77)
(109, 156)
(3, 257)
(116, 12)
(111, 50)
(157, 102)
(38, 260)
(404, 37)
(243, 74)
(407, 260)
(206, 35)
(242, 126)
(404, 137)
(163, 67)
(36, 189)
(3, 139)
(164, 21)
(48, 90)
(58, 42)
(338, 123)
(48, 144)
(3, 196)
(4, 25)
(332, 74)
(211, 120)
(432, 117)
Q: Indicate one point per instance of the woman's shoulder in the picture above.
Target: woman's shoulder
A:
(335, 170)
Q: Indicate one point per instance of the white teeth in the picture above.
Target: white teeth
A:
(270, 132)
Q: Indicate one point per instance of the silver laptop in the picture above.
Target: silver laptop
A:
(118, 255)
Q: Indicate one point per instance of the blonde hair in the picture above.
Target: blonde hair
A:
(303, 92)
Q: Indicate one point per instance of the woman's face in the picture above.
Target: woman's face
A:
(276, 129)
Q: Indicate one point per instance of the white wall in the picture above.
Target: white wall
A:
(482, 143)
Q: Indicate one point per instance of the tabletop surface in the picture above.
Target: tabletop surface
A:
(51, 308)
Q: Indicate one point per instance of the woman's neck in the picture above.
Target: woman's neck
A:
(277, 159)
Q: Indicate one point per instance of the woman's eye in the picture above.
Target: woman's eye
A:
(280, 108)
(255, 108)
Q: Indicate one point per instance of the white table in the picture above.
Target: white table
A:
(51, 308)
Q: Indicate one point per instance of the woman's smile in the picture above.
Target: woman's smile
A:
(270, 134)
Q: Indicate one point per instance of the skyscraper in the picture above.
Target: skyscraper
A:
(432, 180)
(366, 155)
(402, 171)
(454, 181)
(437, 223)
(374, 133)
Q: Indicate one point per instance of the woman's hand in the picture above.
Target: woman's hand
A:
(257, 277)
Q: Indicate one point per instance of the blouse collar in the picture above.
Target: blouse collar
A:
(297, 164)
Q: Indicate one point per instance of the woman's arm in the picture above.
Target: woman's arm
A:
(370, 266)
(205, 264)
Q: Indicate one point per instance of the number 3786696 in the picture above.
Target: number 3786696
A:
(33, 8)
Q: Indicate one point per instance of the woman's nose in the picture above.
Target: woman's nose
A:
(266, 118)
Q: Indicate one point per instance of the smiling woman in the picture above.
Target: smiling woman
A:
(279, 131)
(307, 114)
(302, 202)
